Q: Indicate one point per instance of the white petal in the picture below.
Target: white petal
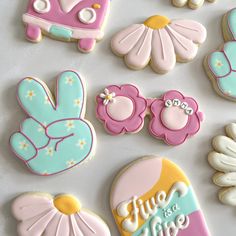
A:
(59, 225)
(190, 29)
(126, 39)
(139, 56)
(102, 95)
(29, 205)
(185, 49)
(75, 229)
(113, 94)
(106, 91)
(163, 56)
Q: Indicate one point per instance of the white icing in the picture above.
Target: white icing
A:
(189, 111)
(87, 15)
(121, 108)
(122, 209)
(42, 6)
(176, 102)
(184, 105)
(68, 5)
(168, 103)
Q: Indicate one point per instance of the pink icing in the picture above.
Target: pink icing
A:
(173, 125)
(174, 118)
(142, 176)
(121, 109)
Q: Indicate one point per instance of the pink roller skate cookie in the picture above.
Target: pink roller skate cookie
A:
(174, 117)
(67, 20)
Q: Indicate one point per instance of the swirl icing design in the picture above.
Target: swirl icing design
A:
(194, 4)
(159, 41)
(44, 215)
(223, 159)
(67, 20)
(220, 65)
(174, 117)
(147, 201)
(55, 136)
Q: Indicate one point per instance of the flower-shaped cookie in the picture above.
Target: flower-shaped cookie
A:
(221, 69)
(55, 136)
(122, 109)
(194, 4)
(174, 118)
(223, 159)
(44, 215)
(159, 41)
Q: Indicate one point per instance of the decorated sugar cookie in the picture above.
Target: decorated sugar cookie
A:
(220, 65)
(55, 136)
(160, 42)
(223, 159)
(194, 4)
(151, 197)
(174, 117)
(44, 215)
(68, 20)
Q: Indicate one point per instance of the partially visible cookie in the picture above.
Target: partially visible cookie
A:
(229, 25)
(194, 4)
(223, 159)
(152, 196)
(40, 214)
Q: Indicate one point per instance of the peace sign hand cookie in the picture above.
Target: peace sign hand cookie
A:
(56, 136)
(194, 4)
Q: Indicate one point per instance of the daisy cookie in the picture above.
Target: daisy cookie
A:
(220, 65)
(160, 42)
(174, 117)
(152, 196)
(194, 4)
(67, 20)
(40, 214)
(55, 136)
(223, 159)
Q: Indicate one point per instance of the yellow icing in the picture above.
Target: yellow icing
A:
(157, 22)
(96, 6)
(67, 204)
(170, 174)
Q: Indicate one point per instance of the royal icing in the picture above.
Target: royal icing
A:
(174, 117)
(159, 40)
(147, 201)
(55, 136)
(223, 159)
(68, 20)
(194, 4)
(44, 215)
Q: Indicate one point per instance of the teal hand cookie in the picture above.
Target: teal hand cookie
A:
(55, 136)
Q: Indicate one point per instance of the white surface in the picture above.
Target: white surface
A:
(92, 181)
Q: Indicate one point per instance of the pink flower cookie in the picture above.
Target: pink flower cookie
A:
(41, 214)
(67, 20)
(174, 117)
(159, 41)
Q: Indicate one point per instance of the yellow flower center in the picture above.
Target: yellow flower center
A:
(96, 6)
(157, 22)
(67, 204)
(109, 97)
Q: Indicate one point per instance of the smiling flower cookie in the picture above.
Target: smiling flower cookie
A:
(44, 215)
(67, 20)
(55, 136)
(159, 41)
(151, 197)
(223, 159)
(174, 117)
(194, 4)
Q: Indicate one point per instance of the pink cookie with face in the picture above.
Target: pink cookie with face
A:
(67, 20)
(174, 117)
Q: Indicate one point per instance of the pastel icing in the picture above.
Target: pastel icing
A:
(194, 4)
(158, 41)
(44, 215)
(223, 160)
(69, 20)
(55, 136)
(222, 67)
(145, 202)
(174, 117)
(231, 19)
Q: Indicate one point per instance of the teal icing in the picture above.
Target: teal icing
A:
(222, 65)
(60, 32)
(56, 137)
(186, 204)
(232, 22)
